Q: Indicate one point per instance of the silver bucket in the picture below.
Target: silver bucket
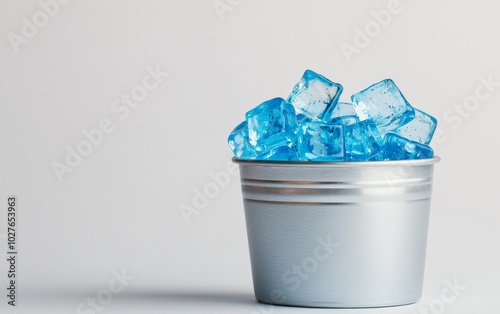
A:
(337, 234)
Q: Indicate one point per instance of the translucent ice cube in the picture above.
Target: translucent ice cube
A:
(314, 94)
(320, 141)
(344, 120)
(272, 123)
(302, 118)
(281, 153)
(238, 142)
(363, 142)
(400, 148)
(420, 129)
(385, 104)
(312, 125)
(342, 109)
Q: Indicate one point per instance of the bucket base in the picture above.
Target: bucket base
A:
(342, 255)
(334, 305)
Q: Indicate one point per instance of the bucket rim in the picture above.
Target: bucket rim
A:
(378, 163)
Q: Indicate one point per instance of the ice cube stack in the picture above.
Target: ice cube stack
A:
(312, 125)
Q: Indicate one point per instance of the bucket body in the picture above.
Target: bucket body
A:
(337, 234)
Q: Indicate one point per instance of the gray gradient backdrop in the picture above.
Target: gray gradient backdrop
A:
(118, 210)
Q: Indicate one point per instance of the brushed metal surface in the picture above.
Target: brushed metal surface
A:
(337, 234)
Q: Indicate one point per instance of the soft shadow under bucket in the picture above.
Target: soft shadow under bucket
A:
(337, 234)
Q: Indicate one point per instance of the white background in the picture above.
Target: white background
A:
(118, 209)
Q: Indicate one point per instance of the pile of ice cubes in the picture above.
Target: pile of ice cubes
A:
(312, 125)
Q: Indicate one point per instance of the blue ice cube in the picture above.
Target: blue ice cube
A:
(363, 142)
(238, 142)
(281, 153)
(320, 141)
(342, 109)
(302, 118)
(420, 129)
(344, 120)
(272, 123)
(385, 104)
(314, 94)
(400, 148)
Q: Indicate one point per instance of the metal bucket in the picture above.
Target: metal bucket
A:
(337, 234)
